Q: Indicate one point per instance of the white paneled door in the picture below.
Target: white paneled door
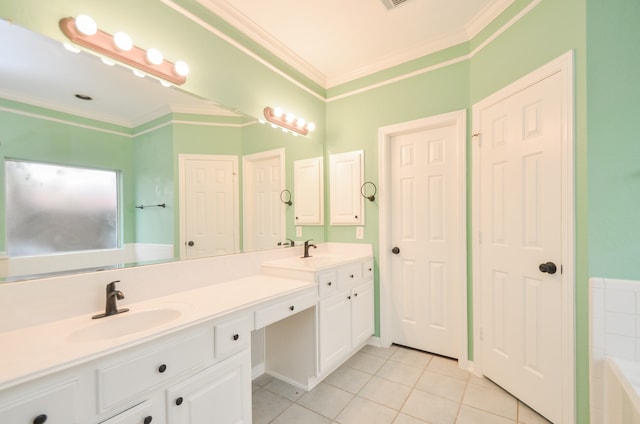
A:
(520, 244)
(263, 211)
(209, 205)
(427, 197)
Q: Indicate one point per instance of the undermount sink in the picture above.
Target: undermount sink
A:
(124, 324)
(312, 262)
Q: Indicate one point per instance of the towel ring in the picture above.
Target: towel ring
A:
(287, 195)
(372, 196)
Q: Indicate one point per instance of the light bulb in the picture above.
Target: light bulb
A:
(165, 83)
(300, 123)
(274, 126)
(107, 62)
(138, 73)
(277, 112)
(154, 56)
(311, 126)
(181, 68)
(71, 48)
(290, 118)
(86, 25)
(122, 41)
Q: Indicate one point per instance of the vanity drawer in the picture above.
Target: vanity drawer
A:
(145, 368)
(367, 270)
(139, 414)
(53, 405)
(349, 275)
(280, 310)
(327, 283)
(232, 336)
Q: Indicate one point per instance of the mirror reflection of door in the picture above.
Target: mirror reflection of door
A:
(264, 213)
(208, 205)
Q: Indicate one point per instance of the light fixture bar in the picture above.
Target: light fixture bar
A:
(136, 57)
(294, 125)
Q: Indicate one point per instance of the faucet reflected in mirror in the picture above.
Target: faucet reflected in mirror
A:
(111, 307)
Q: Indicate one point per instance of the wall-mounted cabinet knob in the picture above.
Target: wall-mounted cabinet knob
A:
(179, 401)
(162, 368)
(147, 420)
(236, 336)
(40, 419)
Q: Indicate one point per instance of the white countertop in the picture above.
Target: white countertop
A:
(33, 352)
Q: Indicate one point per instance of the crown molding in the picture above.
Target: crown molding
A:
(486, 16)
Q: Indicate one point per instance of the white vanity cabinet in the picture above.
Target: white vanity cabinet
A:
(50, 404)
(221, 394)
(346, 312)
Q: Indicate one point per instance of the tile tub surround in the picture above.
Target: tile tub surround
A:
(395, 385)
(614, 331)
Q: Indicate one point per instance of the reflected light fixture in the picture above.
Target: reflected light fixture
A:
(287, 121)
(84, 32)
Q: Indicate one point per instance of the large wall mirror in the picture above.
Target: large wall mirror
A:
(58, 107)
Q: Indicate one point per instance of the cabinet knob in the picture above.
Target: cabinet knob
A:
(40, 419)
(370, 269)
(329, 283)
(147, 420)
(190, 243)
(236, 336)
(355, 294)
(292, 307)
(179, 401)
(349, 297)
(351, 276)
(162, 368)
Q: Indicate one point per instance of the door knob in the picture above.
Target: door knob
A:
(190, 243)
(395, 250)
(549, 268)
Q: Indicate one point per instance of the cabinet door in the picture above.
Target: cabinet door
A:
(53, 405)
(220, 394)
(362, 318)
(308, 192)
(335, 330)
(145, 413)
(347, 175)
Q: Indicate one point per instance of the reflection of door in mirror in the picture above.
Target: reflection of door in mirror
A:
(208, 205)
(308, 190)
(264, 214)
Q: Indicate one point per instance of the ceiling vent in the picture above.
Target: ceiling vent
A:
(392, 4)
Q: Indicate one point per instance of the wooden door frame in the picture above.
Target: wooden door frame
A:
(248, 161)
(182, 180)
(385, 136)
(564, 65)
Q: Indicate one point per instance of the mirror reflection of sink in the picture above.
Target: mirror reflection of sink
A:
(124, 324)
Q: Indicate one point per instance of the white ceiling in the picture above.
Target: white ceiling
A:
(335, 41)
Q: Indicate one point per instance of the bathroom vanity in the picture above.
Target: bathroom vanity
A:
(187, 356)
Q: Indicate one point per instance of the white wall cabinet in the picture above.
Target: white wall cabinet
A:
(346, 179)
(308, 191)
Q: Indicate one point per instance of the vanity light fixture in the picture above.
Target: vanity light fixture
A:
(287, 121)
(83, 31)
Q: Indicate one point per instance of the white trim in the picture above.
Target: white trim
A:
(564, 65)
(385, 135)
(182, 158)
(249, 161)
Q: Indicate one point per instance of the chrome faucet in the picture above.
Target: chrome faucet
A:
(306, 248)
(111, 308)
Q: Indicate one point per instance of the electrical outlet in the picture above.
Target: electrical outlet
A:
(298, 231)
(359, 233)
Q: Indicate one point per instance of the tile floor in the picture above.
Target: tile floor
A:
(391, 386)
